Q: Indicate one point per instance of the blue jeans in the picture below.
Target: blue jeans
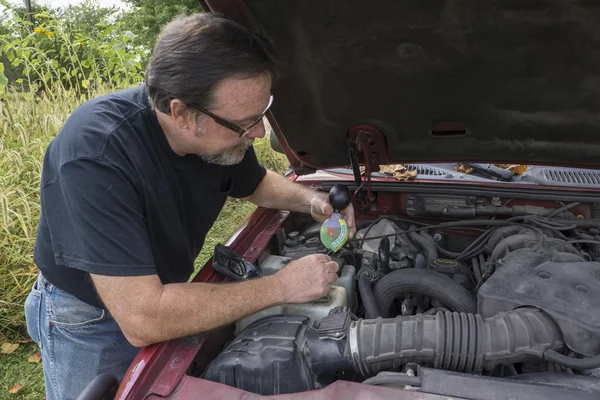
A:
(77, 341)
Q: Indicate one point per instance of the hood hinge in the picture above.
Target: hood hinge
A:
(366, 144)
(354, 162)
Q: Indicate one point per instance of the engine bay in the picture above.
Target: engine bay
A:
(481, 289)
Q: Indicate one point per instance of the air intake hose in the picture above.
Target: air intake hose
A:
(452, 341)
(287, 353)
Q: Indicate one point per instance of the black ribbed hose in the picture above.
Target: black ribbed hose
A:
(452, 341)
(422, 281)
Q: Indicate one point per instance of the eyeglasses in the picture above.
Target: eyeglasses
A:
(230, 125)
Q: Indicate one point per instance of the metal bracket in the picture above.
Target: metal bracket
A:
(371, 145)
(354, 162)
(368, 146)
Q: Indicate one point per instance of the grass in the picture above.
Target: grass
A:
(15, 369)
(27, 124)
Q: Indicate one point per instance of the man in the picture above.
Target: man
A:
(130, 187)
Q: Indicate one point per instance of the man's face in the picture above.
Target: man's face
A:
(240, 101)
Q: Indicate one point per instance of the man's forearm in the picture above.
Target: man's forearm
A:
(280, 193)
(211, 305)
(181, 309)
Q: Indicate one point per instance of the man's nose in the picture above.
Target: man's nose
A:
(257, 131)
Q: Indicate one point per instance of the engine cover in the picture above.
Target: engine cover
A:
(568, 291)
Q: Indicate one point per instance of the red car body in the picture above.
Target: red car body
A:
(160, 371)
(171, 370)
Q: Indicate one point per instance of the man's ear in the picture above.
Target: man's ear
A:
(181, 114)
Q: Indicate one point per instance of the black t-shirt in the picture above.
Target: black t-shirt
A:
(116, 199)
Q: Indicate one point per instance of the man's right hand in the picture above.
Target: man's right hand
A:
(307, 278)
(148, 311)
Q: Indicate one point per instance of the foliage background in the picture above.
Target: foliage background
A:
(47, 68)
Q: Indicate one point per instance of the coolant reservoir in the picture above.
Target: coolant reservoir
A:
(316, 310)
(341, 293)
(271, 264)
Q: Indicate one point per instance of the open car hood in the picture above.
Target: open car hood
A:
(489, 80)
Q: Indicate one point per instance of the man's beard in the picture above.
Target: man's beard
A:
(231, 156)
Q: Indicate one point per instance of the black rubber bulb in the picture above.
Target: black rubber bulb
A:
(339, 197)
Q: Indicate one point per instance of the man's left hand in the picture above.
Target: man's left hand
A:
(320, 209)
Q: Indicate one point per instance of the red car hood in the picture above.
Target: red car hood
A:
(493, 80)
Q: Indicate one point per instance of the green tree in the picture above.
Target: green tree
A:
(147, 17)
(11, 72)
(87, 17)
(71, 48)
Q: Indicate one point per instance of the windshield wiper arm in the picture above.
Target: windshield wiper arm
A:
(492, 171)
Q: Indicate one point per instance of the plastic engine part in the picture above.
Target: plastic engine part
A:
(315, 310)
(289, 354)
(266, 358)
(271, 264)
(341, 293)
(567, 291)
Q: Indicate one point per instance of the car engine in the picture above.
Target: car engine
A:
(516, 299)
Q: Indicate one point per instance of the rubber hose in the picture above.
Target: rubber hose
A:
(403, 236)
(557, 211)
(427, 236)
(481, 262)
(570, 362)
(476, 269)
(428, 248)
(420, 261)
(446, 253)
(349, 257)
(368, 299)
(475, 248)
(384, 255)
(452, 341)
(423, 281)
(440, 249)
